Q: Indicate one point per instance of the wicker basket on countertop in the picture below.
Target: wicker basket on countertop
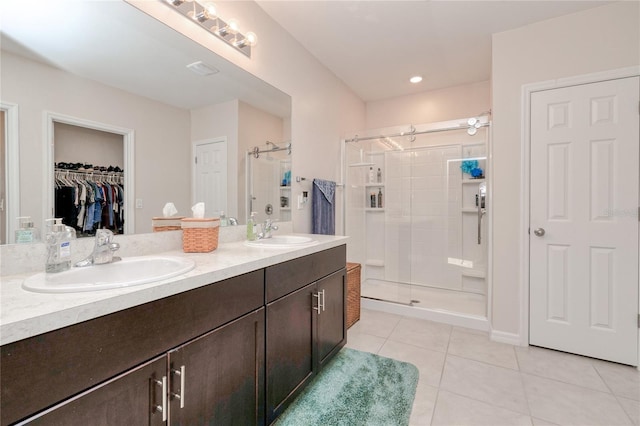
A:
(200, 235)
(161, 224)
(353, 293)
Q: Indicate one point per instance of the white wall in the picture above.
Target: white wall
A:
(323, 108)
(75, 144)
(595, 40)
(161, 133)
(428, 107)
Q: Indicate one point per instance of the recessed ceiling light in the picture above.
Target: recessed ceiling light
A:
(201, 68)
(416, 79)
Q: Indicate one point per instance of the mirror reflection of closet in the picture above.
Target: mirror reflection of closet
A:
(89, 179)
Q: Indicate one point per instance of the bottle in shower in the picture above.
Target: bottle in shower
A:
(373, 200)
(379, 175)
(379, 197)
(371, 175)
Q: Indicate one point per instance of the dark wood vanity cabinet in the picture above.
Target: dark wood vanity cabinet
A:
(306, 327)
(232, 352)
(43, 371)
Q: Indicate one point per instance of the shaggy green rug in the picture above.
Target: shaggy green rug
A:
(356, 388)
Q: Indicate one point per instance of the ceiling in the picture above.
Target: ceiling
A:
(375, 46)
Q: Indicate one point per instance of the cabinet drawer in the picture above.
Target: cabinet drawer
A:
(45, 369)
(289, 276)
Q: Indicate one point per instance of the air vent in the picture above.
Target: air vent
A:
(201, 68)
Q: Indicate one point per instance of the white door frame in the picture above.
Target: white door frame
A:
(526, 92)
(128, 137)
(12, 167)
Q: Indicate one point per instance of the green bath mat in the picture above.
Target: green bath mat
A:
(356, 388)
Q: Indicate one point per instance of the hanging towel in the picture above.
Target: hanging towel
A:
(323, 207)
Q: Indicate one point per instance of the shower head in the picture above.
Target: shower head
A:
(274, 145)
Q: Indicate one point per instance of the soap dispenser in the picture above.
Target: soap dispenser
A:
(58, 246)
(26, 232)
(251, 227)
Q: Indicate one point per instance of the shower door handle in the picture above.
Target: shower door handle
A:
(481, 212)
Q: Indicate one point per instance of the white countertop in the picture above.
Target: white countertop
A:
(25, 314)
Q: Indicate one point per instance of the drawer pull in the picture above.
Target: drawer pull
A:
(320, 296)
(162, 408)
(180, 395)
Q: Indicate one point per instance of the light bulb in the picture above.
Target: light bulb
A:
(210, 9)
(251, 38)
(175, 2)
(415, 79)
(233, 26)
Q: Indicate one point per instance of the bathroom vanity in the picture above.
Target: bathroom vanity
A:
(233, 341)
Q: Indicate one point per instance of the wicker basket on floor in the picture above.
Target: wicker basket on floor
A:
(353, 293)
(200, 235)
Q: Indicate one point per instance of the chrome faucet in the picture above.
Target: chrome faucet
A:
(102, 250)
(267, 227)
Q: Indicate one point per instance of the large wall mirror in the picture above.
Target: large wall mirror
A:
(76, 73)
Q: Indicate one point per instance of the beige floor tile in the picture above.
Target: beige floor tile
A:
(423, 405)
(623, 380)
(471, 331)
(568, 404)
(429, 363)
(538, 422)
(425, 334)
(497, 386)
(364, 342)
(452, 409)
(377, 323)
(632, 408)
(560, 366)
(478, 347)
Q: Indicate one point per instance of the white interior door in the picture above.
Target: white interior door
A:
(584, 219)
(211, 176)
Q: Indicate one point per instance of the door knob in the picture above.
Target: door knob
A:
(539, 232)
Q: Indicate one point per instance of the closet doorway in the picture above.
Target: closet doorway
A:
(90, 179)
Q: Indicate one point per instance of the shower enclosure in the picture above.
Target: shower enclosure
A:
(415, 209)
(268, 178)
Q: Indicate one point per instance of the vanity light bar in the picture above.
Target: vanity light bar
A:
(204, 14)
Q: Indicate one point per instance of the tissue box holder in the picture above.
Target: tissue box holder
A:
(161, 224)
(200, 235)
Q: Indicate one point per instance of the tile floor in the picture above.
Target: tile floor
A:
(466, 379)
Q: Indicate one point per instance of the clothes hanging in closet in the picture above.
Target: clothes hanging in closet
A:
(88, 201)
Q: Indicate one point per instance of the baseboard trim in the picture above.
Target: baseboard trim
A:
(504, 337)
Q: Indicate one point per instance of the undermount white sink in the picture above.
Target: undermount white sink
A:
(127, 272)
(283, 241)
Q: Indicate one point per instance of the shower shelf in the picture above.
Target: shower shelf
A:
(372, 184)
(466, 181)
(374, 209)
(475, 273)
(469, 210)
(374, 262)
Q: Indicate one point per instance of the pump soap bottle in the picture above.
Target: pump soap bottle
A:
(251, 227)
(26, 232)
(58, 246)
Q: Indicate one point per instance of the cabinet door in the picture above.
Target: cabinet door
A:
(133, 398)
(218, 378)
(332, 328)
(290, 348)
